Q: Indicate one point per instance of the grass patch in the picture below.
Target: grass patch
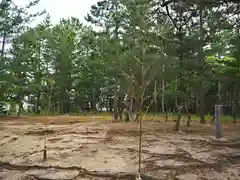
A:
(194, 117)
(71, 119)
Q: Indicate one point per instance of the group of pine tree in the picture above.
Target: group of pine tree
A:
(133, 56)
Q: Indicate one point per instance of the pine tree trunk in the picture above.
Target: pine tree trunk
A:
(37, 111)
(155, 97)
(163, 92)
(115, 105)
(120, 107)
(201, 65)
(202, 103)
(178, 121)
(20, 108)
(3, 46)
(197, 104)
(176, 89)
(219, 92)
(93, 102)
(127, 112)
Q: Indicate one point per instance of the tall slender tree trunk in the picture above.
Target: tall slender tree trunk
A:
(128, 110)
(163, 91)
(155, 97)
(110, 104)
(93, 102)
(179, 84)
(115, 106)
(219, 92)
(176, 89)
(37, 111)
(235, 104)
(178, 121)
(3, 50)
(201, 66)
(50, 100)
(197, 104)
(38, 80)
(3, 45)
(120, 107)
(20, 108)
(115, 100)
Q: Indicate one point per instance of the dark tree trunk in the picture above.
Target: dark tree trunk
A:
(115, 107)
(93, 102)
(62, 101)
(235, 103)
(20, 109)
(115, 101)
(110, 101)
(188, 121)
(120, 107)
(166, 117)
(37, 108)
(66, 104)
(189, 114)
(178, 121)
(3, 47)
(128, 110)
(201, 65)
(127, 119)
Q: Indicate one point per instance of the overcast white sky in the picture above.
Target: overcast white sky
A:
(61, 8)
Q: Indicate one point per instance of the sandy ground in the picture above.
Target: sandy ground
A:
(80, 150)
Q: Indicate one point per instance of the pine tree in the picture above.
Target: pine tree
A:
(13, 21)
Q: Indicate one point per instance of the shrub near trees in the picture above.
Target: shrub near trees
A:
(154, 56)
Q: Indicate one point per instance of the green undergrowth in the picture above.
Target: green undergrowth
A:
(149, 116)
(194, 117)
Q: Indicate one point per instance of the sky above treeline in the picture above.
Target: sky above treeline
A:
(60, 9)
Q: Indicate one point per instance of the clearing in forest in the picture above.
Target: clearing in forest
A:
(78, 150)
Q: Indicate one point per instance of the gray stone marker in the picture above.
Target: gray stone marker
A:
(218, 121)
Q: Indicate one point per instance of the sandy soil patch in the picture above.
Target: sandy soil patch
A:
(105, 150)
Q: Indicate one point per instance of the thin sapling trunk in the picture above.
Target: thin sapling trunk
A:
(49, 97)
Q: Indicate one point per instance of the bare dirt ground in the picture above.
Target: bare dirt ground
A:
(84, 149)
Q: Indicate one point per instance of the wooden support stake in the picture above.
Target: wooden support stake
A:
(45, 145)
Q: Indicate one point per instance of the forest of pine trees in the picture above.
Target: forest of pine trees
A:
(135, 56)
